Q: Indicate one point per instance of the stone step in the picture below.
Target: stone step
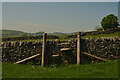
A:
(65, 43)
(65, 49)
(64, 46)
(55, 55)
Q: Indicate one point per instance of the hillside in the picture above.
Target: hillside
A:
(61, 34)
(12, 33)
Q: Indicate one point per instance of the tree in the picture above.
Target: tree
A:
(110, 21)
(98, 28)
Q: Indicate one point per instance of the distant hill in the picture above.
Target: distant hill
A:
(61, 34)
(12, 33)
(57, 34)
(37, 33)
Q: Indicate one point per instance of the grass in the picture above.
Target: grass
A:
(94, 70)
(0, 70)
(38, 40)
(116, 34)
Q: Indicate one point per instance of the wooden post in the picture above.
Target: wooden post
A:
(78, 48)
(43, 49)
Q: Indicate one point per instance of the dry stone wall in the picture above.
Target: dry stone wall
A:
(108, 48)
(103, 47)
(15, 51)
(28, 38)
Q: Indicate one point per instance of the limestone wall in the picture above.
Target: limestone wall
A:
(108, 48)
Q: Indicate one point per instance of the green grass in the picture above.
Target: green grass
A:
(117, 34)
(38, 40)
(95, 70)
(0, 70)
(64, 36)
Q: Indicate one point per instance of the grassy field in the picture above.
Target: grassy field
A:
(94, 70)
(39, 40)
(117, 34)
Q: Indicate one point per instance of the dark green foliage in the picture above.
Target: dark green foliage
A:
(110, 21)
(99, 29)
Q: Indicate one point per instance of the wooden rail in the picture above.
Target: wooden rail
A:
(55, 55)
(27, 59)
(64, 49)
(64, 43)
(85, 53)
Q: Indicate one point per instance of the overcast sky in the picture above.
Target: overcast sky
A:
(54, 16)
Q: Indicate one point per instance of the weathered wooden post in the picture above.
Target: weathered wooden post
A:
(78, 48)
(43, 49)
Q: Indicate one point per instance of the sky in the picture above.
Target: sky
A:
(60, 0)
(55, 16)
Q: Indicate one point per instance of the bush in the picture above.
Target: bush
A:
(110, 21)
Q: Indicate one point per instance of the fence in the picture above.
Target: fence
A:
(61, 51)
